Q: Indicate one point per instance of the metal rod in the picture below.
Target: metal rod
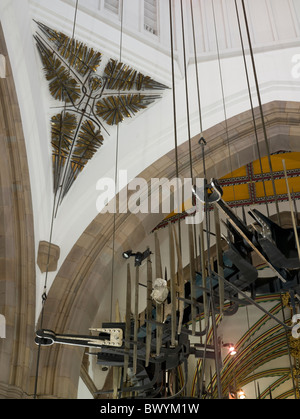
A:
(240, 228)
(253, 302)
(148, 311)
(174, 117)
(196, 69)
(291, 209)
(192, 277)
(215, 338)
(159, 307)
(172, 286)
(220, 263)
(136, 318)
(223, 95)
(128, 322)
(252, 108)
(261, 111)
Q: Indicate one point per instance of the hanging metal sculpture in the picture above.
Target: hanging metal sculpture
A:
(90, 96)
(150, 345)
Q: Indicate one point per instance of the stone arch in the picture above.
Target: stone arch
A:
(17, 254)
(72, 302)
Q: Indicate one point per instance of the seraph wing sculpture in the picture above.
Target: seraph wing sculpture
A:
(90, 97)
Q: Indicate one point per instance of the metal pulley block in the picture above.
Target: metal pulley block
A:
(210, 193)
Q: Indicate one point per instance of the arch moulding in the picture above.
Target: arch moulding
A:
(17, 255)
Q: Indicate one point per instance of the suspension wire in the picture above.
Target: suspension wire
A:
(196, 70)
(116, 180)
(218, 371)
(75, 19)
(252, 107)
(174, 118)
(44, 297)
(187, 93)
(202, 142)
(250, 338)
(223, 94)
(53, 216)
(198, 96)
(261, 110)
(188, 113)
(203, 366)
(64, 110)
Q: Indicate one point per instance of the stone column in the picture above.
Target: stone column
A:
(17, 259)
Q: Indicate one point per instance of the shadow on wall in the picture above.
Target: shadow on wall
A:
(2, 327)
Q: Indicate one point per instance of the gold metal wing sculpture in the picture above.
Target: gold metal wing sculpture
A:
(90, 97)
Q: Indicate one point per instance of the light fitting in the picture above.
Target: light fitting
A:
(139, 257)
(127, 254)
(231, 348)
(241, 394)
